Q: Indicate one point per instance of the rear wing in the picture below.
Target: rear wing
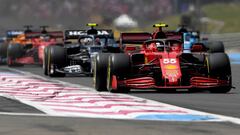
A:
(174, 35)
(13, 33)
(30, 35)
(134, 38)
(56, 34)
(74, 34)
(182, 35)
(52, 34)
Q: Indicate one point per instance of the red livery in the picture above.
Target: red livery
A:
(160, 63)
(28, 48)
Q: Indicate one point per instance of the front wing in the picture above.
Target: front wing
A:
(195, 82)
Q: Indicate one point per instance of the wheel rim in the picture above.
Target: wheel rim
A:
(95, 73)
(109, 87)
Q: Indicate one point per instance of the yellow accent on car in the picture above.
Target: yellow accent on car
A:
(160, 25)
(109, 75)
(92, 24)
(146, 60)
(170, 67)
(208, 66)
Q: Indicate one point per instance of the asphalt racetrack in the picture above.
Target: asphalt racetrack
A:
(18, 118)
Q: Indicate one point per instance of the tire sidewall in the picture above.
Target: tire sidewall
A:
(100, 71)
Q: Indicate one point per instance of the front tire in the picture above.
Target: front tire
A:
(3, 52)
(56, 60)
(100, 71)
(219, 67)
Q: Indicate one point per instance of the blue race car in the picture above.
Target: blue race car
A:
(189, 39)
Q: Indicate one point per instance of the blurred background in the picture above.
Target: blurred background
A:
(208, 16)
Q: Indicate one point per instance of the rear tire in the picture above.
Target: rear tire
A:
(14, 51)
(219, 67)
(56, 60)
(100, 71)
(3, 52)
(215, 47)
(3, 49)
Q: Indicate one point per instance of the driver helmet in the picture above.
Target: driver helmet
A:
(97, 41)
(195, 34)
(176, 47)
(87, 41)
(160, 47)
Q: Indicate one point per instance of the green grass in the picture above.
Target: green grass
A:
(228, 13)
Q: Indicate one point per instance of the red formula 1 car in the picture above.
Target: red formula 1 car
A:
(28, 48)
(161, 64)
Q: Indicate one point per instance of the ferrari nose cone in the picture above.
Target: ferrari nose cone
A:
(172, 76)
(171, 71)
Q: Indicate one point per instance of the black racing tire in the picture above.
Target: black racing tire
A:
(14, 51)
(118, 65)
(3, 50)
(56, 60)
(3, 53)
(196, 58)
(219, 67)
(100, 71)
(215, 47)
(45, 60)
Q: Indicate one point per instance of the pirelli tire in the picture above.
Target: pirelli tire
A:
(56, 60)
(219, 67)
(3, 52)
(45, 60)
(215, 47)
(100, 71)
(14, 51)
(118, 68)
